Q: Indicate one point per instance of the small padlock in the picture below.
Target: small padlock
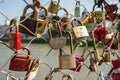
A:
(77, 9)
(99, 16)
(19, 62)
(42, 21)
(116, 62)
(79, 31)
(67, 61)
(15, 37)
(92, 64)
(107, 56)
(79, 59)
(57, 42)
(54, 6)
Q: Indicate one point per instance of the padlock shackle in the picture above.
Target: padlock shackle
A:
(26, 8)
(13, 22)
(101, 6)
(67, 75)
(73, 21)
(58, 27)
(63, 10)
(71, 41)
(28, 52)
(46, 13)
(77, 3)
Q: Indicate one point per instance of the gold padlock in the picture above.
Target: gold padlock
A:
(42, 21)
(54, 6)
(99, 16)
(79, 31)
(107, 56)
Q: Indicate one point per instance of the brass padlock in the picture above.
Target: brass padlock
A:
(99, 15)
(42, 20)
(67, 61)
(79, 31)
(54, 6)
(107, 56)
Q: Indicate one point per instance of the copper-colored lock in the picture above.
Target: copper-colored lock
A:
(54, 6)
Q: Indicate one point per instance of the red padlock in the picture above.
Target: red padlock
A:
(116, 62)
(79, 59)
(115, 76)
(20, 63)
(15, 37)
(100, 33)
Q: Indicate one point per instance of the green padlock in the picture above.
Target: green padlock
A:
(77, 9)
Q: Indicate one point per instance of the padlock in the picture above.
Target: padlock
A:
(42, 22)
(57, 42)
(116, 62)
(54, 6)
(32, 25)
(107, 56)
(92, 65)
(67, 61)
(69, 77)
(19, 62)
(27, 25)
(100, 33)
(115, 44)
(15, 37)
(79, 59)
(110, 6)
(79, 31)
(77, 9)
(115, 75)
(99, 15)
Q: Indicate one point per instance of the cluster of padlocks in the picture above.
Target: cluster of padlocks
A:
(62, 30)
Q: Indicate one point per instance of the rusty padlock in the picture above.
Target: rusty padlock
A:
(54, 6)
(15, 37)
(57, 42)
(67, 61)
(99, 15)
(79, 31)
(19, 62)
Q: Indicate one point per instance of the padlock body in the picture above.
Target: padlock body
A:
(116, 63)
(77, 12)
(80, 32)
(19, 63)
(67, 61)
